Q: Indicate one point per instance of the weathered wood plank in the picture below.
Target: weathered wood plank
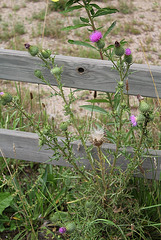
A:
(24, 146)
(98, 75)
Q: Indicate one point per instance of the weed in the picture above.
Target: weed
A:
(5, 32)
(148, 27)
(149, 57)
(16, 8)
(4, 5)
(37, 31)
(19, 28)
(53, 28)
(58, 6)
(130, 28)
(126, 7)
(154, 49)
(13, 43)
(39, 16)
(155, 6)
(148, 40)
(142, 16)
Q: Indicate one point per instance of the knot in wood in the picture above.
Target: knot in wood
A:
(81, 70)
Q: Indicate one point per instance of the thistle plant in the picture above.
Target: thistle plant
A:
(121, 59)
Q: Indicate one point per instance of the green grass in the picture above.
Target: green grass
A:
(126, 7)
(19, 28)
(53, 28)
(37, 31)
(16, 8)
(58, 6)
(4, 6)
(131, 214)
(131, 28)
(39, 15)
(31, 102)
(5, 32)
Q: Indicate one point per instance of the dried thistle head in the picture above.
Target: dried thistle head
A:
(140, 98)
(97, 136)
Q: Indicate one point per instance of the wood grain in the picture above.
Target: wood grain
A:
(97, 74)
(25, 146)
(78, 73)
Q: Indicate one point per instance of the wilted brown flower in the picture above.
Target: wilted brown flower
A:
(97, 136)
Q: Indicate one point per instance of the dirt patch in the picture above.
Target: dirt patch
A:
(139, 25)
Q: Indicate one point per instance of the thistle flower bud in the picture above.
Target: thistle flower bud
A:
(118, 49)
(70, 227)
(151, 117)
(95, 36)
(97, 137)
(62, 230)
(133, 120)
(27, 45)
(38, 74)
(140, 118)
(120, 84)
(64, 126)
(33, 50)
(128, 56)
(55, 71)
(100, 44)
(140, 98)
(144, 107)
(46, 53)
(5, 98)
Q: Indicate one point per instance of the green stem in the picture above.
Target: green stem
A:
(89, 16)
(37, 128)
(74, 122)
(118, 143)
(94, 29)
(119, 129)
(90, 121)
(137, 153)
(102, 167)
(70, 160)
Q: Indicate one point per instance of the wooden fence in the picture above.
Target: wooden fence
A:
(78, 73)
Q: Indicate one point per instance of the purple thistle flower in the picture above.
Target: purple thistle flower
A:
(1, 93)
(27, 45)
(95, 36)
(133, 120)
(62, 230)
(127, 52)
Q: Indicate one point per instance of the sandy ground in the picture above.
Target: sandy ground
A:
(145, 17)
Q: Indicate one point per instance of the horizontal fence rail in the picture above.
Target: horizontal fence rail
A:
(81, 73)
(25, 146)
